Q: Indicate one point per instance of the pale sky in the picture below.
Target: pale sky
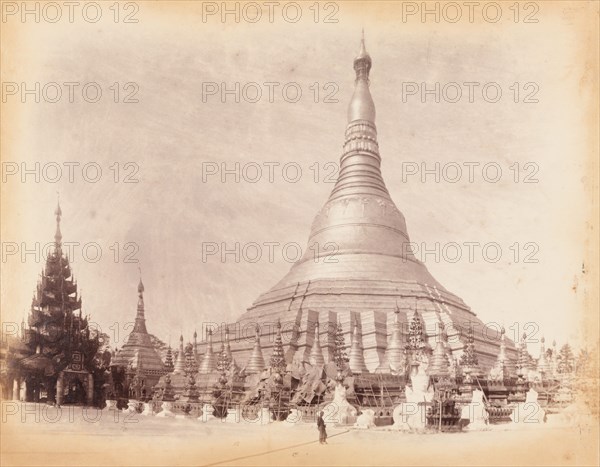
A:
(171, 134)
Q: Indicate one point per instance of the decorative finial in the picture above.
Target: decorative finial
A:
(141, 284)
(363, 57)
(361, 105)
(363, 49)
(58, 213)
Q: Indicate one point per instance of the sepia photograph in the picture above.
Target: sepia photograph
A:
(304, 233)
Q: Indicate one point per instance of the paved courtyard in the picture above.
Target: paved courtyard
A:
(77, 437)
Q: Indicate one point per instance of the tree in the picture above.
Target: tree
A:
(416, 343)
(339, 352)
(583, 361)
(469, 357)
(566, 360)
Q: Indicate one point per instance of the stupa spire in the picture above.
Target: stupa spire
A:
(316, 354)
(196, 354)
(224, 361)
(359, 217)
(228, 350)
(140, 318)
(371, 260)
(361, 105)
(439, 366)
(394, 359)
(180, 362)
(360, 163)
(256, 362)
(357, 359)
(140, 341)
(209, 361)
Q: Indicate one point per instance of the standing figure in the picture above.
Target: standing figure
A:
(321, 427)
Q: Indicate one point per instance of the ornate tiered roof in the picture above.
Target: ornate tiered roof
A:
(56, 291)
(58, 336)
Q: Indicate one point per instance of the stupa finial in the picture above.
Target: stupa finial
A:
(361, 105)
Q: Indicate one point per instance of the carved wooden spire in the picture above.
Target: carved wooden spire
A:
(277, 361)
(58, 234)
